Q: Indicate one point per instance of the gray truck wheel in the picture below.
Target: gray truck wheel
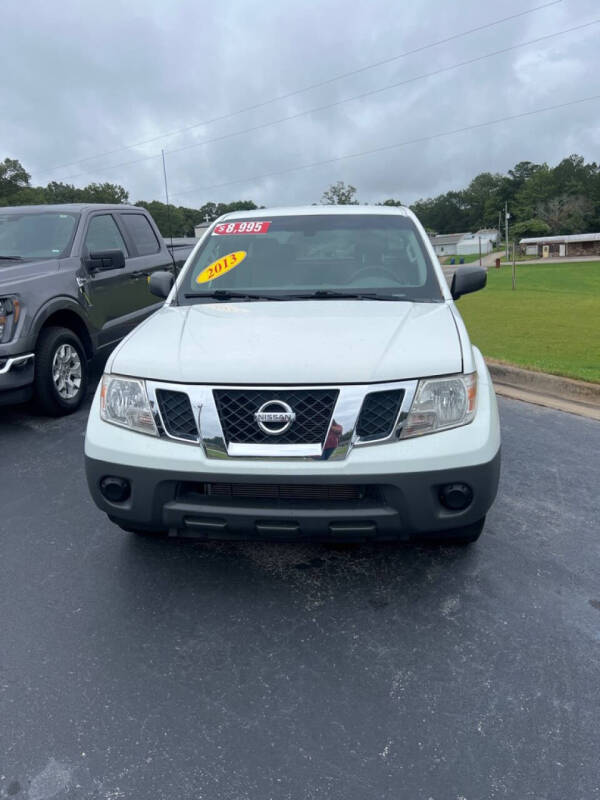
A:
(61, 372)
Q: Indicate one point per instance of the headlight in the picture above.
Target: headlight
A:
(441, 403)
(9, 316)
(123, 401)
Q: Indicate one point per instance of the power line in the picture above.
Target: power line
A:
(311, 86)
(390, 146)
(360, 96)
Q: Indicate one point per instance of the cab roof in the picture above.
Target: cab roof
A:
(66, 208)
(295, 211)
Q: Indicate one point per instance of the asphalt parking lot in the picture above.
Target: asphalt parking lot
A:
(134, 668)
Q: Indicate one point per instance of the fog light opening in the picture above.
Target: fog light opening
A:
(456, 496)
(115, 490)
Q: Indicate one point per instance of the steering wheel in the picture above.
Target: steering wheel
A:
(379, 270)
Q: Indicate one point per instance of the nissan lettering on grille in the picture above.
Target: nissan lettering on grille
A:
(274, 417)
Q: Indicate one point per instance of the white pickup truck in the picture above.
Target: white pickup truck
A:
(308, 377)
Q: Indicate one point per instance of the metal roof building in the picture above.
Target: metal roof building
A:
(573, 244)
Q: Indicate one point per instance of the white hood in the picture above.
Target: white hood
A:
(292, 342)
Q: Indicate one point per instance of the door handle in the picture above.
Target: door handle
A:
(139, 274)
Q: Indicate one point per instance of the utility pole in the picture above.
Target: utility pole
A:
(480, 251)
(506, 218)
(514, 269)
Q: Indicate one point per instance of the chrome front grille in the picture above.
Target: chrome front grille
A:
(313, 409)
(325, 422)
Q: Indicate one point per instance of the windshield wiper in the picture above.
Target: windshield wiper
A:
(331, 294)
(12, 258)
(225, 294)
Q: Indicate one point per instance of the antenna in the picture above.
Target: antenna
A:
(169, 215)
(167, 198)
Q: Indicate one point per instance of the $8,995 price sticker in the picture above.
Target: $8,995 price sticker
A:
(245, 226)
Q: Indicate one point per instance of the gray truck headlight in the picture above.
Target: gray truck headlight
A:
(441, 403)
(123, 401)
(9, 316)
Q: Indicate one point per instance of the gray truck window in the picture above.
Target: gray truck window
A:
(142, 234)
(103, 234)
(31, 235)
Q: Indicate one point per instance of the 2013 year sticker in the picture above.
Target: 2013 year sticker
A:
(243, 226)
(220, 267)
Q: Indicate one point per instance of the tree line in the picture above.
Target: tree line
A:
(541, 200)
(16, 190)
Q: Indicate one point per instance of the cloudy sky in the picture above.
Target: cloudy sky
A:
(84, 79)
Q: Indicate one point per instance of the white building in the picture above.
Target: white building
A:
(445, 244)
(199, 229)
(483, 240)
(463, 244)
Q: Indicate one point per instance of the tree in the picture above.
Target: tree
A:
(391, 202)
(481, 200)
(339, 194)
(530, 227)
(444, 214)
(104, 193)
(566, 214)
(13, 176)
(169, 220)
(56, 192)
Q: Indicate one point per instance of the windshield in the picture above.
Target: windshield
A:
(322, 255)
(43, 235)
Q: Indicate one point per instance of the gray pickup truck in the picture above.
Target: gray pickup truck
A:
(73, 283)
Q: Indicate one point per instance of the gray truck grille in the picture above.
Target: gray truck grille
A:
(177, 415)
(313, 409)
(378, 414)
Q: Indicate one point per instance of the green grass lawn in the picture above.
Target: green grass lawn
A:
(551, 322)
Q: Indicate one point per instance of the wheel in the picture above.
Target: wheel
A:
(456, 537)
(61, 372)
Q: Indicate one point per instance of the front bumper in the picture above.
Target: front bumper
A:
(399, 483)
(398, 506)
(16, 378)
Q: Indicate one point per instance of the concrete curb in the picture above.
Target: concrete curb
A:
(565, 394)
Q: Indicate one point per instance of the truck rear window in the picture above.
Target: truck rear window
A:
(142, 234)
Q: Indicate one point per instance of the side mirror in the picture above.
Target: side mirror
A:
(466, 280)
(105, 259)
(161, 283)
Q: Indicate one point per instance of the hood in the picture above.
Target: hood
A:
(292, 342)
(20, 272)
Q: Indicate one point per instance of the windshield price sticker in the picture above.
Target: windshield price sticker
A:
(220, 267)
(249, 226)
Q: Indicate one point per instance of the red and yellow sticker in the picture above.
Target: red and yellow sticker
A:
(242, 226)
(220, 267)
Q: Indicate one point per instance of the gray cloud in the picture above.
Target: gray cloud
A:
(88, 77)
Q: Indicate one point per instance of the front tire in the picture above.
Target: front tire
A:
(61, 372)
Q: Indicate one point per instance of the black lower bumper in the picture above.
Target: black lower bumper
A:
(16, 385)
(383, 507)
